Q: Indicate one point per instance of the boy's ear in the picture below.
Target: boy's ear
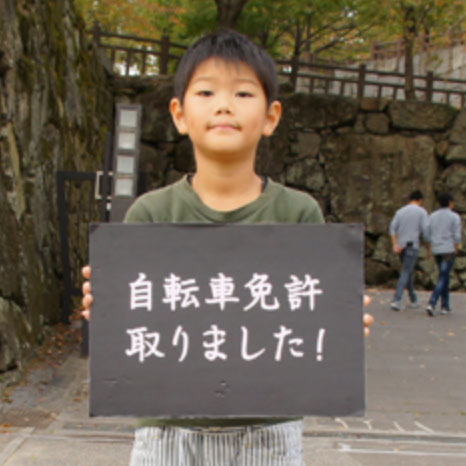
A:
(272, 119)
(176, 111)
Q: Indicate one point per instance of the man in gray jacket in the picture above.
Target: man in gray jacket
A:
(405, 230)
(445, 237)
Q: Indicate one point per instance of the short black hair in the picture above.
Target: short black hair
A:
(444, 199)
(416, 195)
(230, 46)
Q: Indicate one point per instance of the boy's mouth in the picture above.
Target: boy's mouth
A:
(223, 126)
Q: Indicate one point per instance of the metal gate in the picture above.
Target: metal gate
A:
(80, 202)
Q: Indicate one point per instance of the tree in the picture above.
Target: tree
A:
(412, 18)
(228, 12)
(410, 31)
(145, 18)
(286, 27)
(335, 29)
(152, 17)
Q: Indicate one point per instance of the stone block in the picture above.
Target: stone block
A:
(306, 173)
(377, 123)
(415, 115)
(156, 122)
(184, 157)
(378, 273)
(456, 154)
(307, 144)
(383, 249)
(15, 337)
(462, 277)
(373, 193)
(453, 180)
(458, 132)
(271, 155)
(373, 104)
(442, 148)
(460, 263)
(315, 111)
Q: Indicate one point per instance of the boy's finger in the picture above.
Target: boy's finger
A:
(367, 331)
(87, 301)
(367, 300)
(86, 314)
(86, 288)
(86, 271)
(368, 320)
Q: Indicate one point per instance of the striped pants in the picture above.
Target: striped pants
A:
(266, 445)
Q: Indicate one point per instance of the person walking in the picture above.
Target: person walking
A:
(445, 236)
(406, 227)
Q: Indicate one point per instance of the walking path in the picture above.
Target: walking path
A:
(416, 404)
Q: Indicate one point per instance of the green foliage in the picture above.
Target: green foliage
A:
(200, 18)
(291, 27)
(416, 17)
(145, 18)
(332, 29)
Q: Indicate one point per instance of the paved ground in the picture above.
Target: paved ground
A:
(416, 404)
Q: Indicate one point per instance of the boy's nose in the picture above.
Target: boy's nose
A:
(223, 108)
(223, 103)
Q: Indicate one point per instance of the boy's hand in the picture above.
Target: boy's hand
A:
(87, 296)
(367, 318)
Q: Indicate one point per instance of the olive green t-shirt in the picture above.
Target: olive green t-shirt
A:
(178, 203)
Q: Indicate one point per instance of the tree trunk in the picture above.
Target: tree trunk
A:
(228, 12)
(409, 35)
(409, 69)
(298, 40)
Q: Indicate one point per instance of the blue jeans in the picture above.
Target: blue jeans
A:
(445, 264)
(408, 259)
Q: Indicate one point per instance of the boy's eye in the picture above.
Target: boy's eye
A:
(204, 93)
(244, 94)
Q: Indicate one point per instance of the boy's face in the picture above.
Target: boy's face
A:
(225, 111)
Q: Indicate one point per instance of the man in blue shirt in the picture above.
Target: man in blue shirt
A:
(445, 236)
(405, 229)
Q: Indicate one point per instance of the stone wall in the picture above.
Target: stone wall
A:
(359, 159)
(55, 109)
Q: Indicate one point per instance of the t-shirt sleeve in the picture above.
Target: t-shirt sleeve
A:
(393, 225)
(311, 212)
(457, 229)
(137, 213)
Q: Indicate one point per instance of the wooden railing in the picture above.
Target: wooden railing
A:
(361, 82)
(137, 56)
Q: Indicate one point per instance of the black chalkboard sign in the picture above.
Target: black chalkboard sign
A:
(226, 320)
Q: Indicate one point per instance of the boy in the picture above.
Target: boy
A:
(445, 236)
(226, 91)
